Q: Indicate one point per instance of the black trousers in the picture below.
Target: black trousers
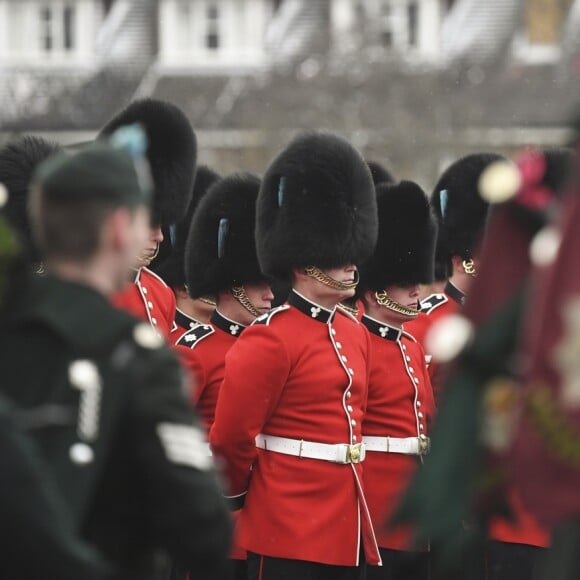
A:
(399, 565)
(512, 561)
(266, 568)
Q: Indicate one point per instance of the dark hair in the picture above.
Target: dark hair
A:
(69, 229)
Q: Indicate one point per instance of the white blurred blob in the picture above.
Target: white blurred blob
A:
(448, 337)
(544, 247)
(499, 182)
(3, 195)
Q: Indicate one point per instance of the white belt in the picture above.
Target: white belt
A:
(206, 449)
(339, 453)
(405, 445)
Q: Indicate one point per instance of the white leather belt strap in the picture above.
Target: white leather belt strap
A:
(405, 445)
(339, 453)
(207, 449)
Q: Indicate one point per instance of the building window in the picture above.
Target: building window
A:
(386, 30)
(212, 36)
(57, 27)
(412, 23)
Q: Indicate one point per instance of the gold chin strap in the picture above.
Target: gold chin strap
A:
(319, 275)
(208, 300)
(469, 267)
(383, 300)
(240, 295)
(146, 260)
(352, 310)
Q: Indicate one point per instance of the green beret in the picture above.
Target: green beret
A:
(100, 171)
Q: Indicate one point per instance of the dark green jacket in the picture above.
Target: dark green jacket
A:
(104, 400)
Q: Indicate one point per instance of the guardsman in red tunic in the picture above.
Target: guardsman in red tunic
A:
(172, 155)
(221, 261)
(169, 265)
(462, 214)
(400, 403)
(290, 408)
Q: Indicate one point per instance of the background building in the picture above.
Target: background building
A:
(414, 83)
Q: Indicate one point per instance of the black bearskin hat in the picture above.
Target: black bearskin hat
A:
(459, 208)
(220, 250)
(171, 152)
(169, 264)
(380, 173)
(18, 162)
(317, 207)
(405, 251)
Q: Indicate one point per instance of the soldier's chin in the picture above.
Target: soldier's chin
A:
(144, 260)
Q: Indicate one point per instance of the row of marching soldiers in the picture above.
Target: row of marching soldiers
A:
(270, 363)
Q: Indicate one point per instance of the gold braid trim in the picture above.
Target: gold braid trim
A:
(319, 275)
(240, 295)
(383, 300)
(208, 300)
(353, 310)
(562, 438)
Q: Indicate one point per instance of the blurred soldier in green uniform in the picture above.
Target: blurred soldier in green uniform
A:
(36, 534)
(98, 392)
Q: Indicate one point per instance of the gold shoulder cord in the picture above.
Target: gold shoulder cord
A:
(240, 295)
(383, 300)
(319, 275)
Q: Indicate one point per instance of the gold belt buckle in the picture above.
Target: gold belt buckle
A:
(354, 453)
(424, 445)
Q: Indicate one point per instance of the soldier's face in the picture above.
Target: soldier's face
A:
(406, 295)
(139, 235)
(346, 275)
(260, 295)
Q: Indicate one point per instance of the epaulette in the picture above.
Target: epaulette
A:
(265, 318)
(433, 302)
(195, 335)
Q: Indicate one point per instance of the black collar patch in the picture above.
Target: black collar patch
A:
(311, 309)
(383, 330)
(225, 324)
(183, 320)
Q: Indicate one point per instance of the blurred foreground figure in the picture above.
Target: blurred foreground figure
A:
(36, 532)
(465, 478)
(103, 399)
(545, 458)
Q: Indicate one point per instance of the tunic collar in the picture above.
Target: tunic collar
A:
(184, 320)
(223, 323)
(381, 329)
(454, 293)
(311, 309)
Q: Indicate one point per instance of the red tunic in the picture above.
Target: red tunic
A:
(202, 350)
(149, 299)
(400, 404)
(434, 308)
(299, 372)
